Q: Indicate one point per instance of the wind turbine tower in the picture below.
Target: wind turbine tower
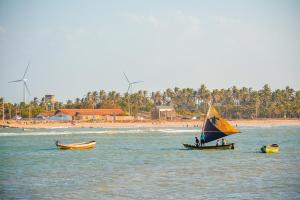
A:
(24, 81)
(130, 89)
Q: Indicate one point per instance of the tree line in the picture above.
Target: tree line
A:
(232, 103)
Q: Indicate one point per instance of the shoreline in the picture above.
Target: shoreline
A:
(140, 124)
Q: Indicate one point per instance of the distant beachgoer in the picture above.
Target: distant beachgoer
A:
(202, 139)
(197, 141)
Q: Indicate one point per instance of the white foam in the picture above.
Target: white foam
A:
(104, 131)
(178, 130)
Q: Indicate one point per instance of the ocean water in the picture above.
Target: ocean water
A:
(148, 163)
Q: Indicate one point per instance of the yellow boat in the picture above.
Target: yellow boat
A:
(274, 148)
(78, 146)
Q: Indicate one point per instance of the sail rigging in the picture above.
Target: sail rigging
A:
(215, 126)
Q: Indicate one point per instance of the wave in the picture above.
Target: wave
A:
(32, 132)
(245, 126)
(178, 130)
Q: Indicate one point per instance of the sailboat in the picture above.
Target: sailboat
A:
(215, 127)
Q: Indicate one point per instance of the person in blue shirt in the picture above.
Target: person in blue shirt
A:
(224, 141)
(202, 139)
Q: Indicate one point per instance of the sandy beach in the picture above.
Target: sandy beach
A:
(183, 123)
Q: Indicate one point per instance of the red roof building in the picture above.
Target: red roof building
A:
(89, 114)
(47, 114)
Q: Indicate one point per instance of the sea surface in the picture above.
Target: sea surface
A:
(148, 163)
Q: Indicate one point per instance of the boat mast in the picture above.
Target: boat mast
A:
(204, 122)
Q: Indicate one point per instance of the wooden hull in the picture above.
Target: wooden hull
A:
(270, 149)
(77, 146)
(221, 147)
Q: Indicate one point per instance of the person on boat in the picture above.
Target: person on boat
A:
(202, 139)
(218, 142)
(224, 142)
(197, 141)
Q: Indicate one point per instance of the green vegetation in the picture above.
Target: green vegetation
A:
(233, 102)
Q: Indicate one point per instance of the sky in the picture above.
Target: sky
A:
(76, 46)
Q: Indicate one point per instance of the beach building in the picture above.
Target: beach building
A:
(46, 114)
(143, 116)
(91, 114)
(50, 115)
(163, 112)
(50, 100)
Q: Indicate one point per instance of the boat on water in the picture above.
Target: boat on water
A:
(215, 127)
(273, 148)
(76, 146)
(219, 147)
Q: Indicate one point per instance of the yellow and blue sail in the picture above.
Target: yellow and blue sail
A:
(216, 127)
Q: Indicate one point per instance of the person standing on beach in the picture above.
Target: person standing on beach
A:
(202, 139)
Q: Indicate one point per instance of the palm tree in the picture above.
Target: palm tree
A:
(296, 105)
(157, 98)
(235, 95)
(203, 96)
(216, 96)
(232, 102)
(265, 98)
(255, 101)
(288, 98)
(95, 98)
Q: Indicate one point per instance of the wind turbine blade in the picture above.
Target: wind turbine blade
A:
(137, 82)
(15, 81)
(27, 88)
(126, 77)
(26, 70)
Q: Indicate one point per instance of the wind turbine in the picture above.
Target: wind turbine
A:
(130, 89)
(24, 81)
(131, 83)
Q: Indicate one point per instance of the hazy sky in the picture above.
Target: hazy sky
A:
(79, 46)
